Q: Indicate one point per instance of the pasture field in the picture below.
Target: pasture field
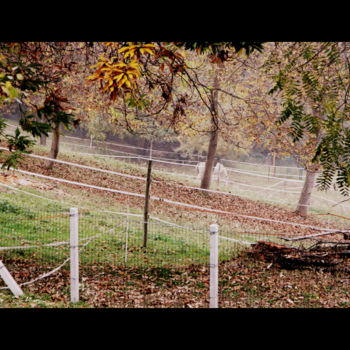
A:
(35, 212)
(30, 220)
(254, 184)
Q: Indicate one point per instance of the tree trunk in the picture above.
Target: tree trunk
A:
(209, 164)
(310, 177)
(305, 196)
(214, 135)
(54, 146)
(43, 140)
(42, 136)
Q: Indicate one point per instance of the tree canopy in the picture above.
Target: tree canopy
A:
(313, 79)
(163, 85)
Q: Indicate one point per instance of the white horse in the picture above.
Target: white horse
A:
(219, 173)
(200, 170)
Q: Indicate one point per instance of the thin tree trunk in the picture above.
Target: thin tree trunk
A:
(151, 149)
(54, 146)
(309, 183)
(209, 165)
(146, 209)
(43, 140)
(42, 136)
(305, 196)
(214, 135)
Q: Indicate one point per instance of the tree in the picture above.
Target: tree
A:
(135, 69)
(40, 86)
(314, 82)
(195, 147)
(56, 115)
(19, 77)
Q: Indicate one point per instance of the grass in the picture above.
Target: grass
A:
(35, 300)
(25, 223)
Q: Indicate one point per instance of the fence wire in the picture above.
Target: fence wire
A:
(115, 269)
(37, 233)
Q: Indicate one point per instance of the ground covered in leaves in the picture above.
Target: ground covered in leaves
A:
(171, 190)
(246, 281)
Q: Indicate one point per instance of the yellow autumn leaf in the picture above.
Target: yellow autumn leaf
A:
(134, 63)
(92, 77)
(130, 54)
(132, 74)
(3, 59)
(121, 82)
(103, 58)
(120, 64)
(123, 49)
(147, 50)
(118, 77)
(127, 83)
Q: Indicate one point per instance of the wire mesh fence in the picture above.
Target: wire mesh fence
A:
(119, 240)
(35, 240)
(115, 268)
(31, 234)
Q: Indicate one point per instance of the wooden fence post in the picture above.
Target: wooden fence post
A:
(219, 178)
(146, 215)
(151, 150)
(74, 255)
(274, 164)
(214, 266)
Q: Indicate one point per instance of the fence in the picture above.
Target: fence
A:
(111, 244)
(249, 185)
(41, 239)
(271, 184)
(104, 242)
(180, 265)
(47, 242)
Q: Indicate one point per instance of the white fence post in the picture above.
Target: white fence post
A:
(9, 280)
(214, 266)
(74, 255)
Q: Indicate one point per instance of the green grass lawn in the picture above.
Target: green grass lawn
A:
(118, 239)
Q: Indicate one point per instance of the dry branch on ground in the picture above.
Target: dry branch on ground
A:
(332, 255)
